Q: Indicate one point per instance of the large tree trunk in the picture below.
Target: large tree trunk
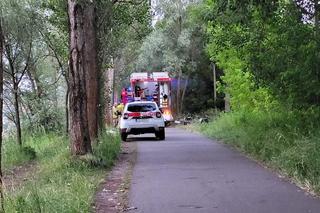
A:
(103, 30)
(90, 65)
(80, 13)
(1, 113)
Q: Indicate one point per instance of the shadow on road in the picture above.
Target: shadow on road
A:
(137, 138)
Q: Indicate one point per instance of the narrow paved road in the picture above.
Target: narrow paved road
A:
(190, 173)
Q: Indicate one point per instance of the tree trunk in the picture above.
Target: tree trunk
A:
(104, 10)
(80, 34)
(1, 113)
(17, 111)
(178, 68)
(178, 98)
(184, 93)
(316, 17)
(66, 104)
(227, 107)
(15, 83)
(67, 108)
(108, 96)
(91, 67)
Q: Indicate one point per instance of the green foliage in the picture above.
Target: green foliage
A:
(269, 45)
(120, 28)
(177, 45)
(239, 83)
(46, 117)
(30, 152)
(60, 182)
(107, 148)
(59, 15)
(287, 140)
(14, 155)
(268, 51)
(33, 45)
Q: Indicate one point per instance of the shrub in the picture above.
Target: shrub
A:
(107, 148)
(30, 152)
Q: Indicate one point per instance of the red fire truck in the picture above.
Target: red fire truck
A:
(155, 87)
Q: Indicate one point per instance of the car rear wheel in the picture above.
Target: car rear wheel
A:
(124, 136)
(161, 134)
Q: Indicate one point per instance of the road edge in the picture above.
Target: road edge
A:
(112, 195)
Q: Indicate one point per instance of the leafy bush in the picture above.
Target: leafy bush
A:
(29, 151)
(46, 118)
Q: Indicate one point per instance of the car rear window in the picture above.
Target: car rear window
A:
(142, 107)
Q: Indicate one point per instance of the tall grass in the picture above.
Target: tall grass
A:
(287, 140)
(61, 183)
(14, 155)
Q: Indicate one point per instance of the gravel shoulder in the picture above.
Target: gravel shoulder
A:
(112, 194)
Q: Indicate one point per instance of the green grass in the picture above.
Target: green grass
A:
(61, 183)
(14, 155)
(288, 140)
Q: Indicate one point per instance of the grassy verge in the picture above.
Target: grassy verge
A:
(288, 141)
(61, 183)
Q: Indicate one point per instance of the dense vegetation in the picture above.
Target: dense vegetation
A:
(268, 52)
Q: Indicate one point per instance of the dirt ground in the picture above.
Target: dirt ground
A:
(16, 177)
(112, 195)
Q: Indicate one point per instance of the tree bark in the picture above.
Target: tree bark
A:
(78, 72)
(184, 93)
(67, 109)
(91, 66)
(1, 113)
(17, 111)
(178, 98)
(15, 83)
(108, 96)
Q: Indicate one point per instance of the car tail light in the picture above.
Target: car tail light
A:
(134, 114)
(158, 114)
(125, 116)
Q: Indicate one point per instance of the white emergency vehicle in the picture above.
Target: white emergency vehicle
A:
(141, 117)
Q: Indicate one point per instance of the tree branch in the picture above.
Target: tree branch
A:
(27, 63)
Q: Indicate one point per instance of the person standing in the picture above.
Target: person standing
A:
(120, 109)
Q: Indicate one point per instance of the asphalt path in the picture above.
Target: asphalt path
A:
(190, 173)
